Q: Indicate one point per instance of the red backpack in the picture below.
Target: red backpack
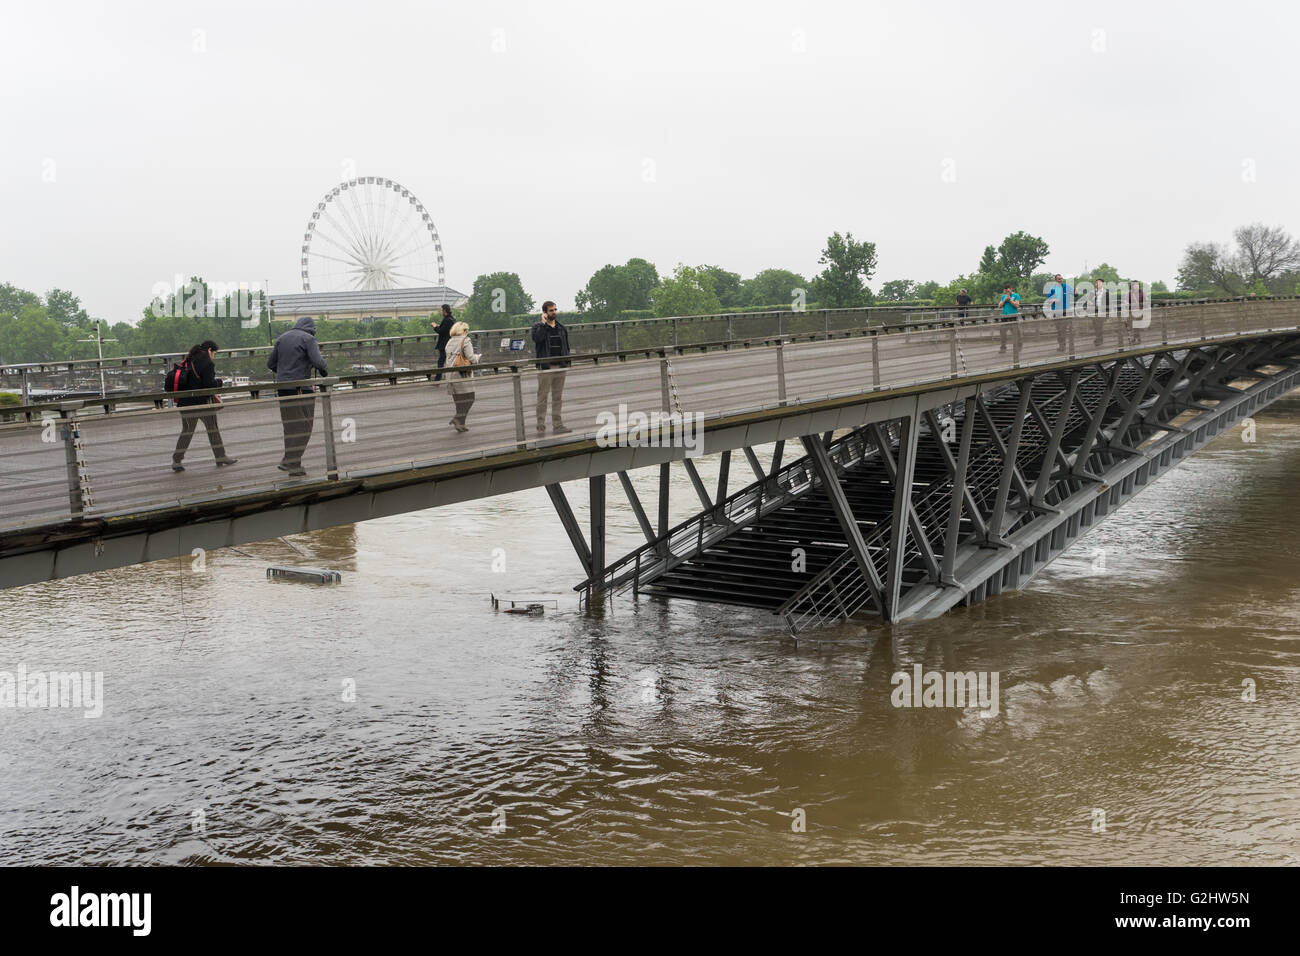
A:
(177, 378)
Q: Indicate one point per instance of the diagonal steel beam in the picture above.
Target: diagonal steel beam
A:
(1037, 414)
(972, 508)
(776, 457)
(754, 465)
(698, 484)
(1152, 414)
(1138, 397)
(960, 494)
(1009, 468)
(909, 428)
(637, 510)
(825, 470)
(913, 520)
(1054, 442)
(1095, 419)
(1022, 489)
(571, 527)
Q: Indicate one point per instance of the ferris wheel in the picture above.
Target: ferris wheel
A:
(370, 233)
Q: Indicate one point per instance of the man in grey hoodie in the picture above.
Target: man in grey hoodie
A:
(293, 356)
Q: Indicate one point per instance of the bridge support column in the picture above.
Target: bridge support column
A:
(596, 486)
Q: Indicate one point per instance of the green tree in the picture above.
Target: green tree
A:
(12, 299)
(897, 290)
(496, 297)
(32, 336)
(726, 286)
(774, 287)
(66, 308)
(688, 291)
(1020, 254)
(926, 290)
(614, 289)
(849, 266)
(1208, 267)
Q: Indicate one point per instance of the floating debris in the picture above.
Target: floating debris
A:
(312, 575)
(529, 606)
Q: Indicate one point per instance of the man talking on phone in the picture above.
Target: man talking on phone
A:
(550, 339)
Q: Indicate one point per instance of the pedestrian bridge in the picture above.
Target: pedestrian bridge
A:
(941, 463)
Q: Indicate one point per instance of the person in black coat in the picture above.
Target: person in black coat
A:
(550, 339)
(198, 408)
(443, 328)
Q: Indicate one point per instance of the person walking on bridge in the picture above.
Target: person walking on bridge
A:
(550, 339)
(1100, 308)
(1060, 303)
(292, 359)
(462, 353)
(201, 361)
(1010, 303)
(963, 304)
(443, 328)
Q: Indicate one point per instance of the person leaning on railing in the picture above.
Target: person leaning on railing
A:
(201, 361)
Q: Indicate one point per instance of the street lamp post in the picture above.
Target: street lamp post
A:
(100, 340)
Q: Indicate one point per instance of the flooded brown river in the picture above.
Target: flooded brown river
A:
(396, 718)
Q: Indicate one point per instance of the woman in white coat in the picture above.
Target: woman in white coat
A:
(460, 354)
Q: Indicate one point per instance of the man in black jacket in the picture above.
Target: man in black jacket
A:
(443, 328)
(550, 339)
(202, 374)
(293, 356)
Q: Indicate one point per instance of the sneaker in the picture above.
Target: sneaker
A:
(285, 466)
(226, 460)
(541, 428)
(177, 466)
(560, 429)
(297, 472)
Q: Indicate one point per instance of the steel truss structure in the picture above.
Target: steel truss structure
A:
(953, 498)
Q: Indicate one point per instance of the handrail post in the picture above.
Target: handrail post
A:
(675, 324)
(663, 382)
(731, 335)
(71, 436)
(615, 336)
(952, 350)
(1069, 325)
(780, 372)
(517, 381)
(875, 359)
(327, 415)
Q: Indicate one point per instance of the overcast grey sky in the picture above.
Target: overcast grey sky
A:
(1118, 132)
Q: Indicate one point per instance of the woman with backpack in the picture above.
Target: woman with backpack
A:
(460, 354)
(200, 372)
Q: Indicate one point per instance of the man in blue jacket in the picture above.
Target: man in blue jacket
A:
(550, 339)
(293, 356)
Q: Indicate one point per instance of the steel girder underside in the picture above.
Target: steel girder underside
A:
(998, 484)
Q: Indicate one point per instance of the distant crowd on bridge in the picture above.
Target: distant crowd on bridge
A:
(296, 357)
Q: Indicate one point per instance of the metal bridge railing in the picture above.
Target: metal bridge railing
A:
(113, 456)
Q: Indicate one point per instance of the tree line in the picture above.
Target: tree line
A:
(1261, 260)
